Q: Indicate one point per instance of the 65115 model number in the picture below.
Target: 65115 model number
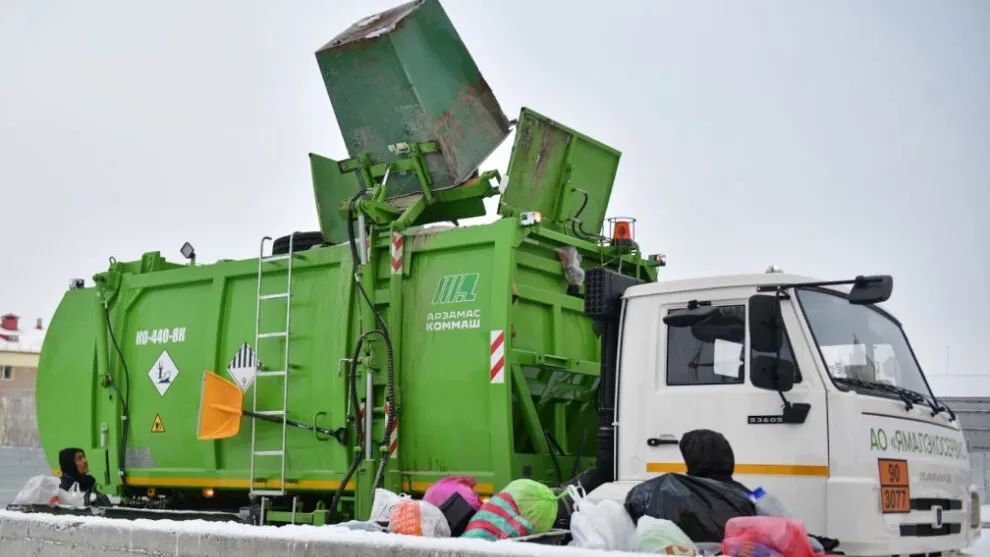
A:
(160, 336)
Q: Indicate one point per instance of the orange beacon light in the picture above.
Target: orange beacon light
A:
(622, 230)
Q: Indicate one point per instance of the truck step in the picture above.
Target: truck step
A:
(281, 373)
(274, 334)
(273, 258)
(271, 412)
(276, 452)
(274, 296)
(267, 492)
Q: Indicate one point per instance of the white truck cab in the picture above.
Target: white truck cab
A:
(816, 388)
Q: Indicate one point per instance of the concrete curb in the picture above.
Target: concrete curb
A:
(37, 535)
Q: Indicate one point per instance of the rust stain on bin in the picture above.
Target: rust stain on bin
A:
(549, 144)
(447, 128)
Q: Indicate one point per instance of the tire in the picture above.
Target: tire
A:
(302, 241)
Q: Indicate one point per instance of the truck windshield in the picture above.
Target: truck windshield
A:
(863, 348)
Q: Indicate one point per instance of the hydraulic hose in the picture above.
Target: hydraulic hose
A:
(125, 400)
(390, 365)
(355, 404)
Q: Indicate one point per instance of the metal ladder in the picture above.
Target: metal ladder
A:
(282, 372)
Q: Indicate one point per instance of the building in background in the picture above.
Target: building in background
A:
(969, 398)
(20, 350)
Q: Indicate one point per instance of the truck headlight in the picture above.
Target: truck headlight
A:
(976, 521)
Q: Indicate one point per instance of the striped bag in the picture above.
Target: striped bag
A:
(498, 519)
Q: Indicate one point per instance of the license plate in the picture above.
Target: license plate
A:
(895, 488)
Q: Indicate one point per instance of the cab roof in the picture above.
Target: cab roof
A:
(717, 281)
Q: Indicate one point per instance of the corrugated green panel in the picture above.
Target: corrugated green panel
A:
(331, 187)
(548, 161)
(404, 75)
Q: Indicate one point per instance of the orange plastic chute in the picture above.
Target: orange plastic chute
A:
(220, 408)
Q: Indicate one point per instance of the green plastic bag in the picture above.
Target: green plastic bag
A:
(658, 535)
(537, 503)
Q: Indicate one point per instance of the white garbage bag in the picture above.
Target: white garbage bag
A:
(383, 503)
(72, 497)
(39, 490)
(606, 525)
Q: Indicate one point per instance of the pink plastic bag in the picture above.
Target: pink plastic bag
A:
(442, 490)
(784, 535)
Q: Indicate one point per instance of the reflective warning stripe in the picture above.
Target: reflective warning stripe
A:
(496, 350)
(396, 256)
(808, 470)
(393, 438)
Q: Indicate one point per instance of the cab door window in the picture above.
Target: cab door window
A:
(786, 354)
(710, 353)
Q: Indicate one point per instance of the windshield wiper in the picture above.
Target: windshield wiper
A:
(943, 408)
(910, 398)
(932, 402)
(917, 397)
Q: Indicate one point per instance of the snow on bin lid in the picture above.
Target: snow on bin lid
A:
(373, 26)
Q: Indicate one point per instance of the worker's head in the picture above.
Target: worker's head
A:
(707, 454)
(73, 462)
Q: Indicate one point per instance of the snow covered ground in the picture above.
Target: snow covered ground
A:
(18, 465)
(982, 547)
(388, 543)
(379, 543)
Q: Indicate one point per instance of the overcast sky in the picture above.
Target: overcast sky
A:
(830, 138)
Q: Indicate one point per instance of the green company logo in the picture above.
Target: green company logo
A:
(913, 442)
(452, 289)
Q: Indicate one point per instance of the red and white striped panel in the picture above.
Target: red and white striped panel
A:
(393, 439)
(361, 419)
(496, 350)
(397, 243)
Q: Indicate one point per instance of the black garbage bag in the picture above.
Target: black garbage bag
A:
(699, 506)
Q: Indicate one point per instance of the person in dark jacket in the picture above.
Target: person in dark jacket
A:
(708, 454)
(75, 470)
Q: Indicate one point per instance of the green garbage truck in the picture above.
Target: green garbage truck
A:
(398, 345)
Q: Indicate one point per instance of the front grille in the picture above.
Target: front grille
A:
(927, 530)
(928, 503)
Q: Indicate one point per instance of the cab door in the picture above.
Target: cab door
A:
(699, 378)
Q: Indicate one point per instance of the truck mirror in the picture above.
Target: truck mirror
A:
(689, 317)
(771, 373)
(765, 331)
(871, 290)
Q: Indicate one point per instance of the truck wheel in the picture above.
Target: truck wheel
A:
(302, 241)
